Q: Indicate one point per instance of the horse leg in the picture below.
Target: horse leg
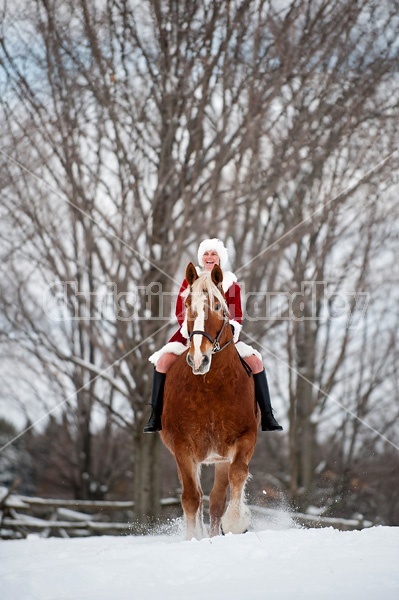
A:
(238, 516)
(218, 495)
(191, 497)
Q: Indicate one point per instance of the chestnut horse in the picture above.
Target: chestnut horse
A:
(210, 414)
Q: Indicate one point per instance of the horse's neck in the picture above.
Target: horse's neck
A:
(227, 358)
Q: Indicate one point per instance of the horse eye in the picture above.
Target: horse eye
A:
(217, 306)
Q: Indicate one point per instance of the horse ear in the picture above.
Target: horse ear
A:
(191, 273)
(217, 275)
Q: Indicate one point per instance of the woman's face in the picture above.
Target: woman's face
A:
(210, 258)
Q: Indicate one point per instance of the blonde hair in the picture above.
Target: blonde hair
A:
(205, 285)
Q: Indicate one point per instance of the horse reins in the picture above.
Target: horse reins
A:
(215, 341)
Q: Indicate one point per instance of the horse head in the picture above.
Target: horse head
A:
(207, 318)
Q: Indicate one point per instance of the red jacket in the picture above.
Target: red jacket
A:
(233, 299)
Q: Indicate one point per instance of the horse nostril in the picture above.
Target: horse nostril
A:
(205, 360)
(189, 360)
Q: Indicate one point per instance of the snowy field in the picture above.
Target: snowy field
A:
(289, 564)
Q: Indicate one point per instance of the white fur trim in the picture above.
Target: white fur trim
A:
(184, 330)
(185, 292)
(228, 279)
(237, 329)
(213, 244)
(245, 350)
(172, 347)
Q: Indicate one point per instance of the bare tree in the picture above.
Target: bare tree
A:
(316, 210)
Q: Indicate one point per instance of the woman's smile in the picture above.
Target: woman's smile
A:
(210, 259)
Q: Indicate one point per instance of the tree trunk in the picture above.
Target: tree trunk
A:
(303, 436)
(147, 476)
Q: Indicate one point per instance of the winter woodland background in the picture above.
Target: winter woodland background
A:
(132, 130)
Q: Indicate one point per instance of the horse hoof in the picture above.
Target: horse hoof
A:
(223, 533)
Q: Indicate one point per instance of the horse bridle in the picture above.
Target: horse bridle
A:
(216, 347)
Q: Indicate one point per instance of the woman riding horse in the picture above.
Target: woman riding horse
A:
(210, 252)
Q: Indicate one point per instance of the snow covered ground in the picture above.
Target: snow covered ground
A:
(294, 564)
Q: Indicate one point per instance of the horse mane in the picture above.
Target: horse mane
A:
(205, 285)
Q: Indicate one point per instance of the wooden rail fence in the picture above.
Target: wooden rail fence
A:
(23, 515)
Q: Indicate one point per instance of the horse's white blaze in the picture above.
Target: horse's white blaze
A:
(199, 325)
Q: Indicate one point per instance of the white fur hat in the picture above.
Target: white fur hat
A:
(213, 244)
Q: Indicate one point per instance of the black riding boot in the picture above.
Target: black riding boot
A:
(158, 384)
(268, 422)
